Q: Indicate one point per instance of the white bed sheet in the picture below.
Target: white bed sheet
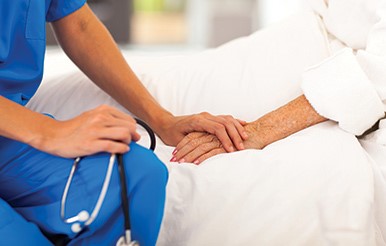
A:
(315, 186)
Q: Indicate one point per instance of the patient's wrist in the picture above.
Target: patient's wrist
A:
(259, 136)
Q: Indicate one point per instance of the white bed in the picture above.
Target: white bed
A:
(315, 187)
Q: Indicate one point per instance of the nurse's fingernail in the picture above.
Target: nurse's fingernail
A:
(173, 159)
(231, 149)
(196, 162)
(181, 161)
(174, 152)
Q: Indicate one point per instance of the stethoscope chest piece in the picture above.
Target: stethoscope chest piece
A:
(125, 242)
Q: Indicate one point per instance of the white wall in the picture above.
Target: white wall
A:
(205, 18)
(271, 11)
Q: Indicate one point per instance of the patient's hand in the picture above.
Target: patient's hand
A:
(278, 124)
(197, 147)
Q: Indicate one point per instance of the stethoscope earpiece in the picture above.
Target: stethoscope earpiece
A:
(76, 228)
(83, 216)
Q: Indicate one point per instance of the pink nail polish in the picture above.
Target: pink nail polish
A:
(173, 159)
(181, 161)
(174, 152)
(196, 162)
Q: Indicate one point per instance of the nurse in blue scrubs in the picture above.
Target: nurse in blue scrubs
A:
(37, 151)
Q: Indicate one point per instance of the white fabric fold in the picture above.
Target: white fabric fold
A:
(350, 87)
(339, 89)
(350, 21)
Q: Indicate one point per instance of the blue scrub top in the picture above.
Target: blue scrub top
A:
(23, 44)
(22, 49)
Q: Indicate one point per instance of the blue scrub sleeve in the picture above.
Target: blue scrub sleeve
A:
(61, 8)
(15, 230)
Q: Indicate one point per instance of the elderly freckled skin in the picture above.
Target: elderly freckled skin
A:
(278, 124)
(282, 122)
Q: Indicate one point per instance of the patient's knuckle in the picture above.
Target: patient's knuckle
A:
(193, 135)
(188, 137)
(203, 147)
(214, 140)
(195, 142)
(219, 144)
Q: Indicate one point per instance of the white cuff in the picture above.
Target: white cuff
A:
(339, 90)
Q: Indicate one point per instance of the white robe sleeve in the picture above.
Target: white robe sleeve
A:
(351, 88)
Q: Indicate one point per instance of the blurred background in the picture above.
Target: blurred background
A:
(186, 24)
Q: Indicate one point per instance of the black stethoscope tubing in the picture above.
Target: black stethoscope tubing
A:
(124, 200)
(122, 175)
(149, 131)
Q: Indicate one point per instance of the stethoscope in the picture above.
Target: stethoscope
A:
(83, 219)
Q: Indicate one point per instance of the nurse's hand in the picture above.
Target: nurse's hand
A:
(104, 129)
(228, 130)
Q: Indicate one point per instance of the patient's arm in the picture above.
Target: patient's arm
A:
(278, 124)
(87, 42)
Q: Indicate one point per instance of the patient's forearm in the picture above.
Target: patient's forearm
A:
(282, 122)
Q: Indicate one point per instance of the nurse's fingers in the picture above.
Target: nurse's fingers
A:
(113, 119)
(122, 134)
(124, 126)
(234, 129)
(109, 146)
(228, 130)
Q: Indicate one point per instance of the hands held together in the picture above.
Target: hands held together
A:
(199, 146)
(106, 129)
